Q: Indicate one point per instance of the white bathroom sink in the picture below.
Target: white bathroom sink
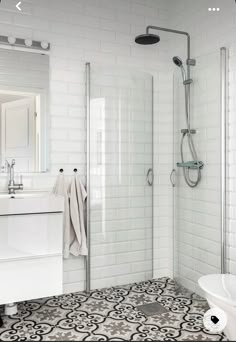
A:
(23, 195)
(30, 203)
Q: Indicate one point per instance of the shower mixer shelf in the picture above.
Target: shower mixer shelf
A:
(193, 165)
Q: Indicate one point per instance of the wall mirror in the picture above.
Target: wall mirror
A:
(24, 84)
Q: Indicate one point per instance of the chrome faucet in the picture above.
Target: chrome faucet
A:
(12, 186)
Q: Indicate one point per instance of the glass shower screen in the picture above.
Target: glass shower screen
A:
(121, 159)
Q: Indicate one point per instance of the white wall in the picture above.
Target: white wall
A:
(98, 31)
(209, 31)
(197, 210)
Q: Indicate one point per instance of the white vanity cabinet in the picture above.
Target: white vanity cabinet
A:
(31, 238)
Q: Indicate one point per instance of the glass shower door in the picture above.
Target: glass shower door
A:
(197, 211)
(121, 160)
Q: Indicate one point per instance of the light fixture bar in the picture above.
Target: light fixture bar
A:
(24, 43)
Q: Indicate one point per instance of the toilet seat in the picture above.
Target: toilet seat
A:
(221, 286)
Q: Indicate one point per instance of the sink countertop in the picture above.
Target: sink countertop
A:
(30, 203)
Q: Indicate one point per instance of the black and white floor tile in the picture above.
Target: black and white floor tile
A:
(111, 315)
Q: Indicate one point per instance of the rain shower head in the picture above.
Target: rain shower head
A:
(147, 39)
(177, 61)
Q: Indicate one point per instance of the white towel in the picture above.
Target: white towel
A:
(60, 188)
(78, 195)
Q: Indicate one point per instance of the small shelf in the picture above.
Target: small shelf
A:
(193, 165)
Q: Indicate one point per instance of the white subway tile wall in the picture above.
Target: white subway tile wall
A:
(209, 31)
(197, 210)
(96, 31)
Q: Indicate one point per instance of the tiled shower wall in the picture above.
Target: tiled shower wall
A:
(197, 210)
(216, 30)
(99, 31)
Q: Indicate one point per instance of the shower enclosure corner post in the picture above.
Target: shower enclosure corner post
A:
(224, 110)
(88, 258)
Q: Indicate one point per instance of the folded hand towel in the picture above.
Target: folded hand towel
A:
(78, 243)
(60, 188)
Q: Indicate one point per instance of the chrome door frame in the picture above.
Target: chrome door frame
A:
(88, 258)
(224, 71)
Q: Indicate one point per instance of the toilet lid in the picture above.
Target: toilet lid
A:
(221, 286)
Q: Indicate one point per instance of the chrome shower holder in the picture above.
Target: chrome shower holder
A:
(191, 62)
(189, 81)
(186, 131)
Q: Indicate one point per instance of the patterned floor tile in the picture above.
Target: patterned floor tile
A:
(61, 335)
(112, 315)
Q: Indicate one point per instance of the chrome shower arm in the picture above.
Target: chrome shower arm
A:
(151, 27)
(189, 60)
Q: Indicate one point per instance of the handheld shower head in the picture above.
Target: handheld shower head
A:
(177, 61)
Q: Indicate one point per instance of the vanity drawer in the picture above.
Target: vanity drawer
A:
(25, 236)
(30, 279)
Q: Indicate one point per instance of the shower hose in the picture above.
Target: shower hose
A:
(188, 135)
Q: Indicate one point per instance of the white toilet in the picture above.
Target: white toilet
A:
(220, 292)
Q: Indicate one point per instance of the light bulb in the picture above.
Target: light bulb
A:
(28, 42)
(11, 40)
(44, 44)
